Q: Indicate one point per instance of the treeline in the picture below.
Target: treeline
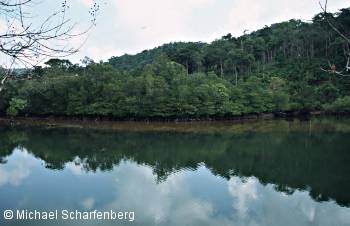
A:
(273, 69)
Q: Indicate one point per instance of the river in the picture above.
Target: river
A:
(269, 172)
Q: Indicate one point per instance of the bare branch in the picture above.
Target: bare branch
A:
(346, 53)
(324, 8)
(27, 44)
(8, 73)
(335, 72)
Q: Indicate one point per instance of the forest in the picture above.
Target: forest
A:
(292, 66)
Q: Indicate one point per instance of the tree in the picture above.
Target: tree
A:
(279, 94)
(59, 63)
(274, 69)
(27, 42)
(332, 67)
(190, 56)
(87, 61)
(215, 55)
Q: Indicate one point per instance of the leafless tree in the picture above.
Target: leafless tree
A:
(25, 41)
(332, 67)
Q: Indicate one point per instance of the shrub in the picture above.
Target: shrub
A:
(16, 106)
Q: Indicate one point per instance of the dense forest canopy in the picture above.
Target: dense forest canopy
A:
(274, 69)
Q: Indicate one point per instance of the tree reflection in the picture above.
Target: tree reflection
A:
(292, 160)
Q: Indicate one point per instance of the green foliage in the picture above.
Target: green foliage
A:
(16, 106)
(270, 70)
(279, 95)
(340, 105)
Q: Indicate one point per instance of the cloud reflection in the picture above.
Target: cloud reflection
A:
(175, 202)
(18, 169)
(167, 203)
(259, 204)
(185, 198)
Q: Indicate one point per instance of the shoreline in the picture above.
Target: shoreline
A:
(53, 120)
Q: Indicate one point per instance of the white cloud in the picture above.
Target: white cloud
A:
(252, 14)
(3, 26)
(166, 203)
(74, 168)
(88, 203)
(176, 202)
(258, 204)
(130, 26)
(145, 24)
(244, 193)
(185, 198)
(16, 173)
(87, 3)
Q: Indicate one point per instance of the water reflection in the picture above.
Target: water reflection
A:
(274, 177)
(16, 170)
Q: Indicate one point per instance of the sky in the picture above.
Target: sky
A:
(130, 26)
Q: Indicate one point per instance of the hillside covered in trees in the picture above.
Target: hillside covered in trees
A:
(286, 67)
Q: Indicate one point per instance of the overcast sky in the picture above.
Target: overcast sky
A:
(130, 26)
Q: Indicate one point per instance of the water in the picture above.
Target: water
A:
(256, 173)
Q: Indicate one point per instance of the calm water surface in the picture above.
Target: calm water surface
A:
(258, 173)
